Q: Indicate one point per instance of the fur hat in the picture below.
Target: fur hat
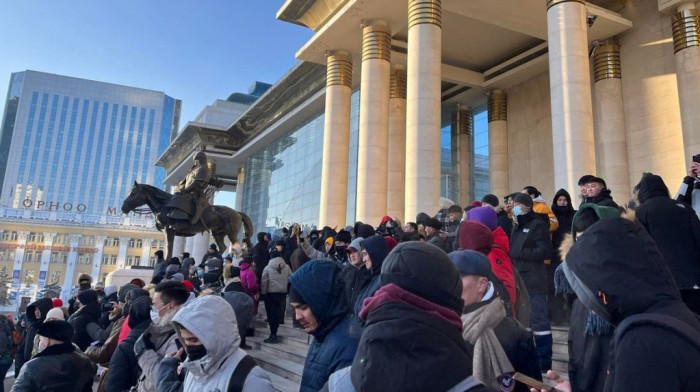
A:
(57, 330)
(84, 276)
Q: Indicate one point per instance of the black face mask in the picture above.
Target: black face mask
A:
(195, 352)
(340, 250)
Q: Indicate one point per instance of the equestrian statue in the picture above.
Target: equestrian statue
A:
(188, 212)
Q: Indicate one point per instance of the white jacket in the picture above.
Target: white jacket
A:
(275, 277)
(213, 321)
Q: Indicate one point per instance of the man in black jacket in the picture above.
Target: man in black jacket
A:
(57, 366)
(530, 246)
(36, 314)
(597, 192)
(484, 316)
(88, 312)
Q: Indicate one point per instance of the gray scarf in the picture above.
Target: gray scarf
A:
(490, 361)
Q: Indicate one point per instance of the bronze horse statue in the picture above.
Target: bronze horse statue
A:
(220, 221)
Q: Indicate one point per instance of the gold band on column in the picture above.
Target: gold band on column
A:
(462, 119)
(211, 165)
(376, 43)
(339, 70)
(424, 11)
(551, 3)
(241, 175)
(686, 29)
(497, 106)
(606, 63)
(397, 84)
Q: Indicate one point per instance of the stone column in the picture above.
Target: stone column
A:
(498, 143)
(373, 139)
(686, 45)
(19, 258)
(396, 184)
(609, 116)
(97, 258)
(239, 189)
(121, 253)
(336, 141)
(200, 244)
(45, 259)
(68, 280)
(423, 104)
(179, 245)
(462, 154)
(570, 93)
(189, 244)
(146, 253)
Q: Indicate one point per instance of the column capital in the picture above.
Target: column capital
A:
(49, 237)
(497, 106)
(339, 69)
(376, 41)
(424, 12)
(22, 235)
(397, 83)
(686, 29)
(551, 3)
(606, 63)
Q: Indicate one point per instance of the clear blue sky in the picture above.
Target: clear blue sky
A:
(196, 51)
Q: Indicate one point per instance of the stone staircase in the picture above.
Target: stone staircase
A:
(560, 351)
(284, 361)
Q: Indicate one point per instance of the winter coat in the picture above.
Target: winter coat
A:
(185, 269)
(377, 250)
(355, 279)
(517, 343)
(603, 199)
(261, 255)
(539, 205)
(101, 355)
(505, 222)
(209, 255)
(159, 269)
(617, 271)
(89, 313)
(58, 368)
(675, 228)
(689, 192)
(26, 343)
(242, 306)
(530, 246)
(589, 353)
(214, 370)
(334, 343)
(124, 370)
(248, 279)
(501, 264)
(275, 277)
(163, 338)
(298, 258)
(565, 216)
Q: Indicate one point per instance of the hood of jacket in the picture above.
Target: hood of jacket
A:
(221, 341)
(91, 310)
(569, 207)
(44, 305)
(124, 290)
(276, 263)
(320, 285)
(378, 250)
(539, 199)
(650, 186)
(501, 239)
(140, 311)
(261, 237)
(475, 236)
(617, 271)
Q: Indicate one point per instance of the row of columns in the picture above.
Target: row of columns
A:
(398, 163)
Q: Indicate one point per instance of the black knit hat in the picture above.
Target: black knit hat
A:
(524, 199)
(344, 236)
(57, 330)
(424, 270)
(490, 199)
(212, 246)
(87, 296)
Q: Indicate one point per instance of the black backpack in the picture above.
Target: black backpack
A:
(241, 372)
(667, 322)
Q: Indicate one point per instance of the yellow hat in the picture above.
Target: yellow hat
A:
(329, 240)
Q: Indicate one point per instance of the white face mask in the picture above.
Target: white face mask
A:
(155, 316)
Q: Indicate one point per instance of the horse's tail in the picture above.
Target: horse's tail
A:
(247, 225)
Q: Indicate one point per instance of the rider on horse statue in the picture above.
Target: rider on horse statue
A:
(189, 201)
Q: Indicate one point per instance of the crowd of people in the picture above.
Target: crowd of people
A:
(462, 300)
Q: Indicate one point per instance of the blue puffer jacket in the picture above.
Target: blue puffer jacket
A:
(335, 342)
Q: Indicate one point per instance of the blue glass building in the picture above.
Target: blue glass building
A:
(76, 145)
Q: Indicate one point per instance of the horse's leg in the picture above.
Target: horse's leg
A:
(169, 239)
(219, 239)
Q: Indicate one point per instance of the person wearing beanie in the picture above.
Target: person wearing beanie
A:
(530, 246)
(123, 367)
(138, 283)
(58, 366)
(539, 206)
(212, 251)
(84, 283)
(598, 193)
(57, 303)
(374, 251)
(417, 310)
(504, 221)
(501, 344)
(55, 314)
(160, 265)
(433, 234)
(281, 251)
(675, 228)
(364, 230)
(88, 312)
(317, 298)
(171, 270)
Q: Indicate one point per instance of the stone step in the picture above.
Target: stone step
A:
(560, 348)
(286, 332)
(292, 352)
(560, 334)
(282, 384)
(281, 367)
(560, 364)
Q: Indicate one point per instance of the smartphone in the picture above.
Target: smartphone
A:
(532, 383)
(696, 158)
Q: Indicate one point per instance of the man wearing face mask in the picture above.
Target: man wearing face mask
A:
(84, 283)
(530, 246)
(336, 253)
(159, 338)
(213, 356)
(58, 366)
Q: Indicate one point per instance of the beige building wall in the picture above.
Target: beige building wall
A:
(650, 93)
(530, 150)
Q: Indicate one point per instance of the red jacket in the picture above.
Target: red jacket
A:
(501, 264)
